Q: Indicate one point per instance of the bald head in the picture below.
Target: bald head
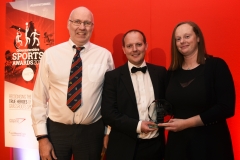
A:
(83, 11)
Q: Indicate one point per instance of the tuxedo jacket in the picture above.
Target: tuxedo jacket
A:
(119, 109)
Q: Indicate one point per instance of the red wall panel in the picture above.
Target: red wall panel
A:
(6, 153)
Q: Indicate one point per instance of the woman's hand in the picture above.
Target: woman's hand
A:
(177, 125)
(174, 125)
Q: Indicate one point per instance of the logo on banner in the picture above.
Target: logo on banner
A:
(19, 134)
(17, 120)
(24, 60)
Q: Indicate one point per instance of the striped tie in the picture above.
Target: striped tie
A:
(75, 81)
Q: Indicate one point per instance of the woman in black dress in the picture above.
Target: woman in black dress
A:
(201, 90)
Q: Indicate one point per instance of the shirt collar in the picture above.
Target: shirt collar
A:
(130, 65)
(86, 46)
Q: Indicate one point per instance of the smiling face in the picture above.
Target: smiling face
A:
(80, 34)
(134, 48)
(186, 40)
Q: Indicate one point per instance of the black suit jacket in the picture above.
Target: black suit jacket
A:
(119, 109)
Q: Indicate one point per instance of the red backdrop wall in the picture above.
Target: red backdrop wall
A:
(219, 21)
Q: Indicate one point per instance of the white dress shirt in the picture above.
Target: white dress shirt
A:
(144, 94)
(50, 90)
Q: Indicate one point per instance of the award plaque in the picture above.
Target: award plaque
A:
(159, 111)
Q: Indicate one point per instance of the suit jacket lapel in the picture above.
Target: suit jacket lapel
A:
(154, 78)
(126, 78)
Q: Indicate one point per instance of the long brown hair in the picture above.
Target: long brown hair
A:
(177, 58)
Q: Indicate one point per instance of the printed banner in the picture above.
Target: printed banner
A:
(29, 32)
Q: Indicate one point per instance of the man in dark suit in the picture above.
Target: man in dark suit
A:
(127, 93)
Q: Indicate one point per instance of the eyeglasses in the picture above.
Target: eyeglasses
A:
(78, 23)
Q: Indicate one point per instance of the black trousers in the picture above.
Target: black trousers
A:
(150, 149)
(84, 142)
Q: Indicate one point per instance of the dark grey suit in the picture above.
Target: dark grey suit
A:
(119, 109)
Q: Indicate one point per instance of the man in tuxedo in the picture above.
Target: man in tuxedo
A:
(127, 93)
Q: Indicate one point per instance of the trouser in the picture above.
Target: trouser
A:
(150, 149)
(84, 142)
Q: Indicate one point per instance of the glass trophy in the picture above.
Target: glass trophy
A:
(159, 111)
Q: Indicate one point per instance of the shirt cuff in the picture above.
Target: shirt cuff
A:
(107, 130)
(40, 129)
(139, 127)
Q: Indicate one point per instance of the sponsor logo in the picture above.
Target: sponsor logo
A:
(18, 134)
(17, 120)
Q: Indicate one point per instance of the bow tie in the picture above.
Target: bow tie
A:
(142, 69)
